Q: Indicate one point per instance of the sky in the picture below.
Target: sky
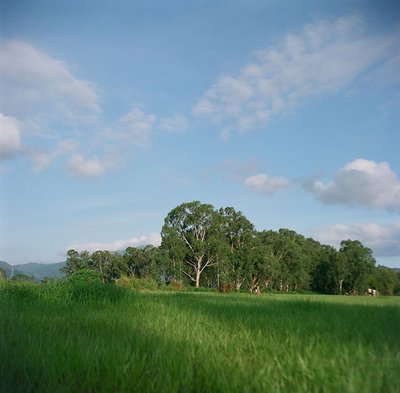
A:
(113, 113)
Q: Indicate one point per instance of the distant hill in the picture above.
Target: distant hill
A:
(37, 270)
(41, 270)
(6, 267)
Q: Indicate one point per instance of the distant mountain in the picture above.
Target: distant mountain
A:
(6, 267)
(37, 270)
(41, 270)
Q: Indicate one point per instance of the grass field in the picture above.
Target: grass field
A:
(53, 339)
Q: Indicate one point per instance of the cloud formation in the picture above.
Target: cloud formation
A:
(324, 58)
(361, 182)
(10, 138)
(34, 82)
(176, 124)
(384, 240)
(153, 239)
(132, 129)
(51, 105)
(80, 167)
(266, 184)
(43, 159)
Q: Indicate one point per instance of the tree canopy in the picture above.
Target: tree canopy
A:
(220, 248)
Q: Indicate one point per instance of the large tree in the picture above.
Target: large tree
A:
(192, 232)
(109, 265)
(360, 264)
(76, 261)
(238, 232)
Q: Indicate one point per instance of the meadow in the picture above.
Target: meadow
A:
(101, 338)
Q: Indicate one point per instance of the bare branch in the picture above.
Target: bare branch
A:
(193, 279)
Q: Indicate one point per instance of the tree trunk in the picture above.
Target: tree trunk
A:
(340, 286)
(198, 278)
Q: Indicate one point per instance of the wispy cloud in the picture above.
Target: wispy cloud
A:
(266, 184)
(384, 240)
(43, 159)
(152, 238)
(10, 138)
(133, 128)
(361, 182)
(48, 105)
(176, 124)
(34, 82)
(80, 167)
(325, 57)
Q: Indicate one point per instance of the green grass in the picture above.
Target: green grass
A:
(52, 340)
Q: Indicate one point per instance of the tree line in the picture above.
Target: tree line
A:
(205, 247)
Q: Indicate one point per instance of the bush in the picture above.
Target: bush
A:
(21, 290)
(55, 290)
(85, 286)
(84, 276)
(136, 283)
(175, 285)
(94, 292)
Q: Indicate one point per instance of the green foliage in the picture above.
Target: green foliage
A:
(359, 262)
(386, 281)
(176, 285)
(84, 276)
(76, 261)
(136, 283)
(3, 275)
(21, 277)
(210, 248)
(192, 233)
(21, 290)
(96, 292)
(141, 262)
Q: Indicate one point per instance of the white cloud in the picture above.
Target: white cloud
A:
(134, 128)
(79, 167)
(176, 124)
(324, 58)
(34, 82)
(265, 184)
(384, 240)
(153, 239)
(361, 182)
(43, 159)
(10, 138)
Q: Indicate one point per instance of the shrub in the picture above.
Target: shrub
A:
(84, 276)
(55, 290)
(94, 292)
(21, 290)
(175, 285)
(136, 283)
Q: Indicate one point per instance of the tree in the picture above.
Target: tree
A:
(140, 262)
(360, 264)
(385, 280)
(76, 261)
(192, 233)
(238, 232)
(108, 265)
(3, 275)
(331, 271)
(263, 265)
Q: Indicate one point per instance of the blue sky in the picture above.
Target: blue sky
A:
(113, 113)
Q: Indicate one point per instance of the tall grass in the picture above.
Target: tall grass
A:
(125, 341)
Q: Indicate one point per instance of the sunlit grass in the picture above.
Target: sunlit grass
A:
(51, 341)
